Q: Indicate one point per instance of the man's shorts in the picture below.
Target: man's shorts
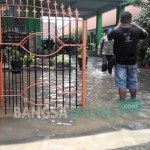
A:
(126, 76)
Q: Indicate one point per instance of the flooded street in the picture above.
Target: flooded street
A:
(117, 131)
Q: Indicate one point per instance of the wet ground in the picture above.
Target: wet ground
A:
(107, 131)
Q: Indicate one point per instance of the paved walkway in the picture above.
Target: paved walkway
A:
(120, 140)
(129, 131)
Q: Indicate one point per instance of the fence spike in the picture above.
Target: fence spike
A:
(34, 11)
(19, 11)
(42, 12)
(69, 11)
(76, 13)
(62, 7)
(27, 11)
(2, 10)
(49, 13)
(55, 5)
(41, 1)
(69, 8)
(48, 3)
(63, 10)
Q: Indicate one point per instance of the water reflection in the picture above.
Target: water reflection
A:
(118, 131)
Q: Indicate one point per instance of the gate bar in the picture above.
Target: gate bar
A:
(1, 67)
(84, 64)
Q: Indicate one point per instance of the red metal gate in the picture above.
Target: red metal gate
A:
(20, 86)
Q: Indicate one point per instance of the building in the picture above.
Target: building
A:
(45, 26)
(109, 21)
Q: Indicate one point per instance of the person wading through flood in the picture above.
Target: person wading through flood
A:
(126, 36)
(106, 47)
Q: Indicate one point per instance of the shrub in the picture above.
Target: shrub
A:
(62, 61)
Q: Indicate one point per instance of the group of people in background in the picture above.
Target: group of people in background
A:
(66, 50)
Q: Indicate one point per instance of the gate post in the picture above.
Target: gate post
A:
(1, 80)
(84, 64)
(1, 67)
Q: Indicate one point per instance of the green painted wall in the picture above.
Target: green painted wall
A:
(34, 24)
(91, 53)
(120, 10)
(98, 29)
(6, 21)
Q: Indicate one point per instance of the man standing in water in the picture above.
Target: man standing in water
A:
(126, 36)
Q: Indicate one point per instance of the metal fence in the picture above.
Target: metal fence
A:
(40, 68)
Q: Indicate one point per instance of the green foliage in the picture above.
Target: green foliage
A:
(137, 3)
(143, 20)
(62, 61)
(80, 52)
(147, 56)
(77, 34)
(12, 54)
(92, 46)
(103, 34)
(28, 59)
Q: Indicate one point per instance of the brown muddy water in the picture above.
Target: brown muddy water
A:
(100, 94)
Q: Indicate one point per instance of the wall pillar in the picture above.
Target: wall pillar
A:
(98, 29)
(120, 10)
(92, 37)
(7, 21)
(87, 33)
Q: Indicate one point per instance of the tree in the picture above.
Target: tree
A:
(144, 4)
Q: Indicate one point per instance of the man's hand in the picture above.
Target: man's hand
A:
(134, 24)
(119, 25)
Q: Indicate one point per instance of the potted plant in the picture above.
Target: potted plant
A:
(62, 61)
(13, 57)
(28, 60)
(15, 60)
(80, 57)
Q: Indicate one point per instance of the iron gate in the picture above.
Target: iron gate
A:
(40, 68)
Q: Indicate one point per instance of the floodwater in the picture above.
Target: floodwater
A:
(121, 132)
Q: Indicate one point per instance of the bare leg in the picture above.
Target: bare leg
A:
(133, 94)
(122, 93)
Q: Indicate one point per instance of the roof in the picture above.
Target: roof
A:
(87, 8)
(108, 19)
